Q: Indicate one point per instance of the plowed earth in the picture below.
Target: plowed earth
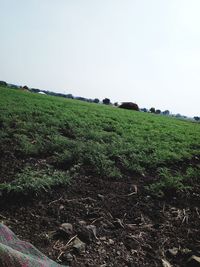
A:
(133, 227)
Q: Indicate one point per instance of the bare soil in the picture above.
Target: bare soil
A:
(133, 227)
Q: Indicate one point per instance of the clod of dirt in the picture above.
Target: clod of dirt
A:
(101, 197)
(173, 251)
(82, 222)
(66, 228)
(111, 241)
(87, 233)
(194, 261)
(78, 246)
(93, 230)
(68, 257)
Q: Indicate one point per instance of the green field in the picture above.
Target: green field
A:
(46, 141)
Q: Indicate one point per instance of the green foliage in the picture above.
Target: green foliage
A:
(29, 180)
(75, 136)
(168, 181)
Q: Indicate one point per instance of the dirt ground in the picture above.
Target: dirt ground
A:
(129, 226)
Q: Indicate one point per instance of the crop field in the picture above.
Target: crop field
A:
(132, 177)
(47, 140)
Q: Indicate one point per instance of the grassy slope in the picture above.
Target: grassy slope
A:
(46, 140)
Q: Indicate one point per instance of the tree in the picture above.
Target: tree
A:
(144, 109)
(25, 87)
(166, 112)
(96, 100)
(106, 101)
(158, 111)
(129, 105)
(197, 118)
(2, 83)
(69, 96)
(152, 110)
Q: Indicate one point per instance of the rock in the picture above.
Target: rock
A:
(68, 257)
(165, 263)
(66, 228)
(173, 251)
(193, 261)
(101, 197)
(87, 233)
(118, 253)
(93, 230)
(111, 242)
(79, 246)
(82, 222)
(62, 207)
(45, 239)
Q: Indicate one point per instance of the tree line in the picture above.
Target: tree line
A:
(105, 101)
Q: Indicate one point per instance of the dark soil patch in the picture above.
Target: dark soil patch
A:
(133, 228)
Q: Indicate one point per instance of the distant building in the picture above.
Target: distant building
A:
(42, 93)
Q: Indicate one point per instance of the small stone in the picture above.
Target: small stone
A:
(62, 207)
(101, 197)
(93, 229)
(118, 253)
(67, 228)
(173, 251)
(111, 241)
(193, 261)
(68, 257)
(165, 263)
(82, 222)
(79, 246)
(87, 233)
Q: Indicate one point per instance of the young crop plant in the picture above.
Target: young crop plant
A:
(35, 180)
(169, 181)
(78, 138)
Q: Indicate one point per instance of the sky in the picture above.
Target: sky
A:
(143, 51)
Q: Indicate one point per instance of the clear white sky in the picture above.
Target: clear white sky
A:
(145, 51)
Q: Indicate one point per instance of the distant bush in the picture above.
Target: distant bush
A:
(144, 110)
(106, 101)
(166, 112)
(197, 118)
(96, 100)
(152, 110)
(2, 83)
(129, 105)
(69, 96)
(158, 111)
